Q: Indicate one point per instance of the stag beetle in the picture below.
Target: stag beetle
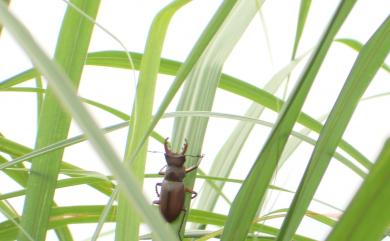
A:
(173, 191)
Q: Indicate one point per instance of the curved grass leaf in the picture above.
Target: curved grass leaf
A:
(227, 155)
(200, 88)
(64, 91)
(90, 214)
(201, 45)
(368, 215)
(228, 83)
(69, 182)
(119, 60)
(356, 45)
(370, 58)
(6, 145)
(127, 226)
(25, 153)
(251, 193)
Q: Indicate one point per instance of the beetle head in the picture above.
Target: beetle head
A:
(175, 159)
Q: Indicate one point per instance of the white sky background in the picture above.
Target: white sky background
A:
(249, 61)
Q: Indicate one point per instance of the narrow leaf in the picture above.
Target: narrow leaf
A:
(303, 12)
(368, 215)
(356, 45)
(252, 191)
(366, 65)
(201, 86)
(54, 123)
(127, 227)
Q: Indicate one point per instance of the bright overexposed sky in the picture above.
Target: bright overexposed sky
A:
(255, 59)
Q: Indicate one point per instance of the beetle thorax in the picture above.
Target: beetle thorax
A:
(174, 159)
(175, 174)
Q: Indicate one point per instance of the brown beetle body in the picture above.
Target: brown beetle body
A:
(171, 199)
(173, 191)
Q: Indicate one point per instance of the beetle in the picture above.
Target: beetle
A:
(172, 196)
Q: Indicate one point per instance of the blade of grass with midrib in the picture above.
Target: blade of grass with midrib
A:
(252, 191)
(370, 59)
(127, 226)
(54, 124)
(200, 88)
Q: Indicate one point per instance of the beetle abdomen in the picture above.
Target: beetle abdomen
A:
(171, 199)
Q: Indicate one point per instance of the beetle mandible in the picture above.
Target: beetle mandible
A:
(173, 191)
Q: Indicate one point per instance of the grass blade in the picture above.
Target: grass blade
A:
(127, 227)
(200, 88)
(370, 59)
(64, 90)
(356, 45)
(303, 12)
(119, 60)
(252, 191)
(227, 155)
(197, 51)
(54, 123)
(369, 206)
(228, 83)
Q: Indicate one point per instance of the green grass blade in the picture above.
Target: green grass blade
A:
(356, 45)
(127, 227)
(252, 191)
(368, 215)
(20, 178)
(194, 56)
(200, 88)
(25, 153)
(370, 58)
(8, 212)
(119, 60)
(227, 155)
(64, 90)
(228, 83)
(61, 216)
(19, 78)
(54, 123)
(40, 96)
(303, 12)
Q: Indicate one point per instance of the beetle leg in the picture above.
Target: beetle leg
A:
(185, 146)
(193, 193)
(161, 170)
(158, 184)
(191, 169)
(156, 202)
